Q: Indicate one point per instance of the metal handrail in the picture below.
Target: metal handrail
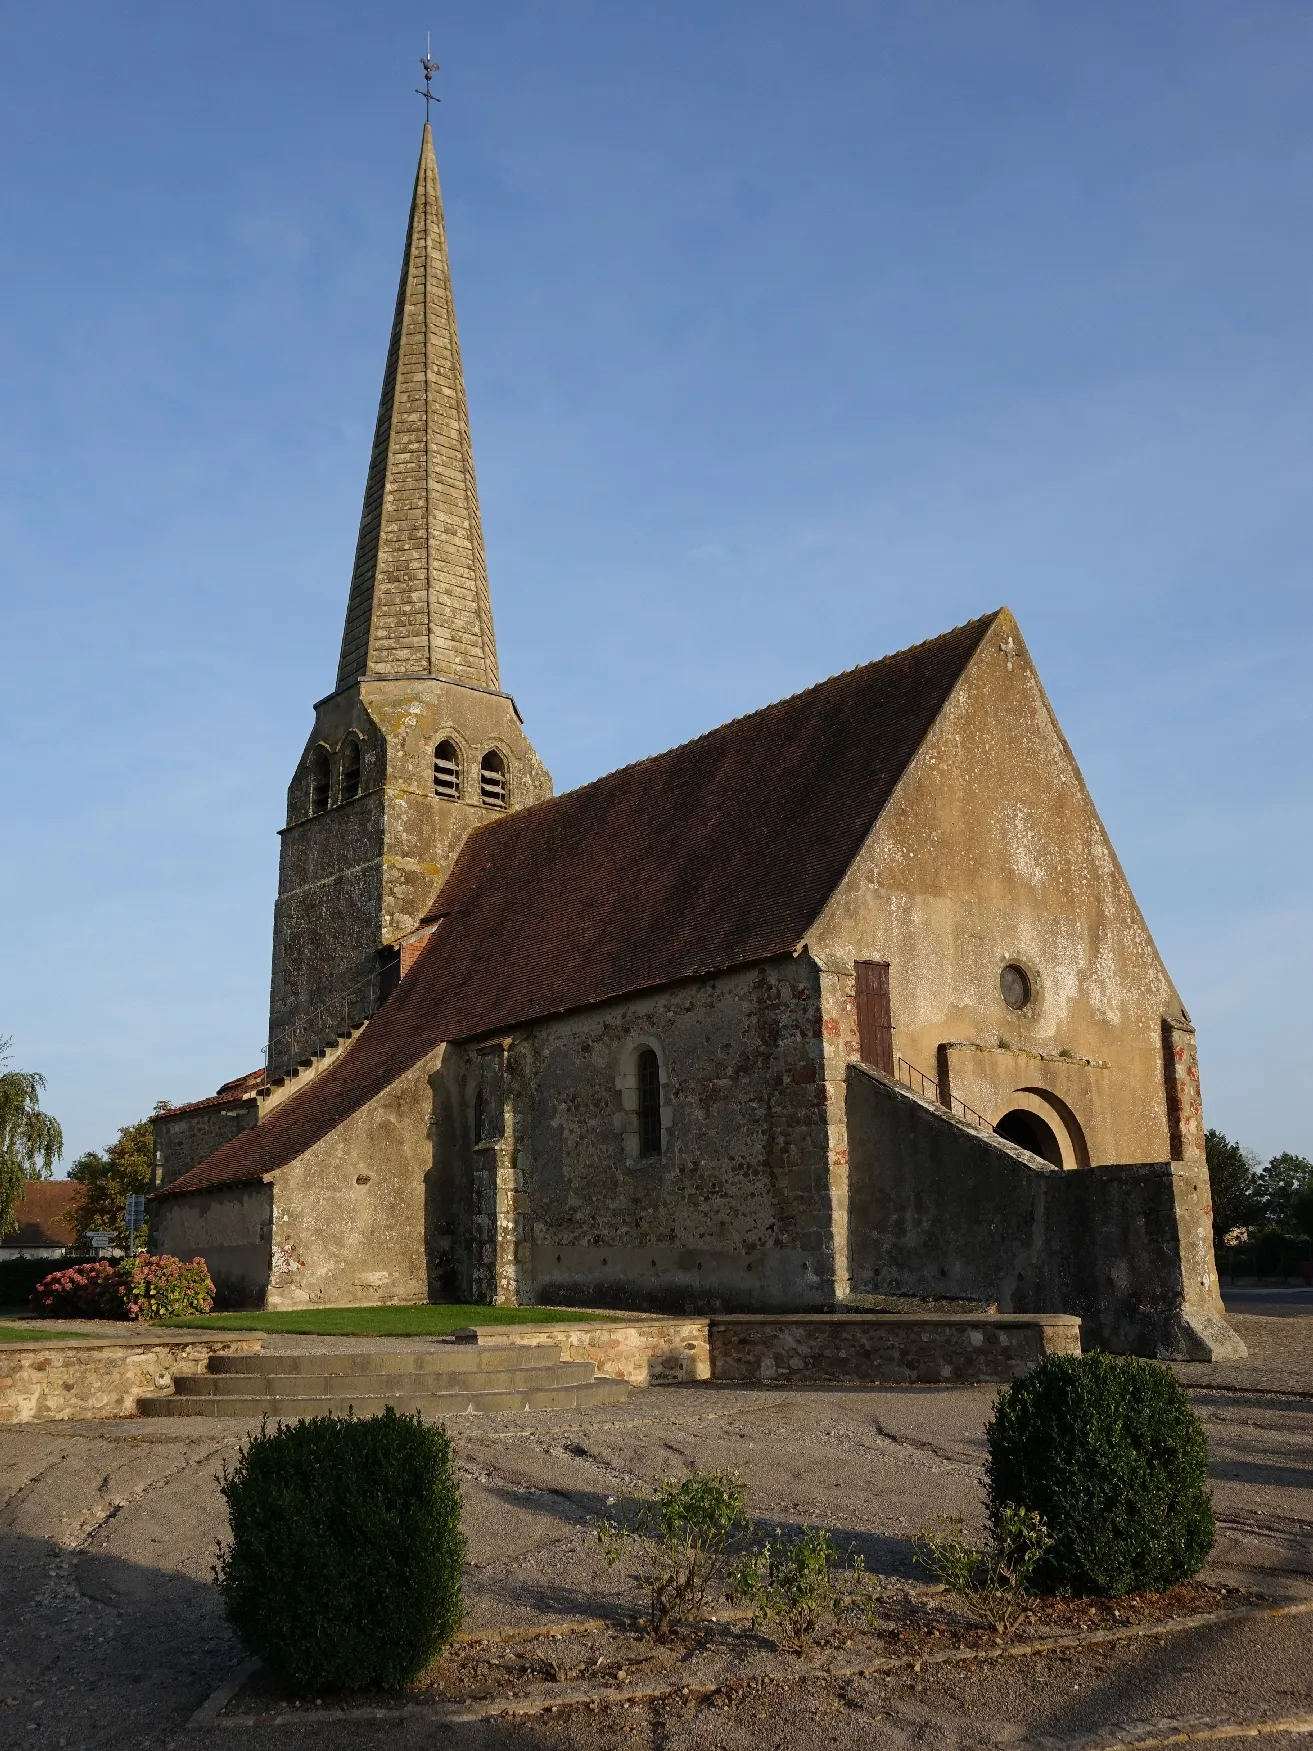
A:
(929, 1090)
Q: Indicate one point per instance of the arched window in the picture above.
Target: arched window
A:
(320, 781)
(492, 780)
(446, 771)
(649, 1102)
(350, 788)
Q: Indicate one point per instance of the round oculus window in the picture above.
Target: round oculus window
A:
(1014, 983)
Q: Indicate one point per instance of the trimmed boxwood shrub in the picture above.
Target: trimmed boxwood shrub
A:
(1108, 1450)
(343, 1570)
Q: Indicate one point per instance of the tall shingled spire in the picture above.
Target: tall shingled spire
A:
(419, 602)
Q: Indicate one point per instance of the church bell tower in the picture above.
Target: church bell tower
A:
(417, 743)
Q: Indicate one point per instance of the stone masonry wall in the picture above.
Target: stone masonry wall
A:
(184, 1139)
(736, 1211)
(940, 1207)
(890, 1348)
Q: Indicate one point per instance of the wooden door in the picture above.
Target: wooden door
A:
(875, 1022)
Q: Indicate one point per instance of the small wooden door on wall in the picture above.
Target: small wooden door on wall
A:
(875, 1022)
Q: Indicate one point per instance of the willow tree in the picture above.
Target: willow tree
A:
(31, 1142)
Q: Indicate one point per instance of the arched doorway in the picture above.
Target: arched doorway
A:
(1028, 1131)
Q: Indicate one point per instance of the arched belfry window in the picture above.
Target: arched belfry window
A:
(492, 780)
(320, 781)
(350, 788)
(446, 771)
(649, 1102)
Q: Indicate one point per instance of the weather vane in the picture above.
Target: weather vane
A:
(430, 67)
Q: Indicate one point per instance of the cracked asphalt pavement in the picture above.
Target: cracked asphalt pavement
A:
(111, 1633)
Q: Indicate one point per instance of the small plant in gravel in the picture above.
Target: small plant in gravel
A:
(679, 1543)
(992, 1583)
(149, 1286)
(798, 1586)
(344, 1566)
(1108, 1451)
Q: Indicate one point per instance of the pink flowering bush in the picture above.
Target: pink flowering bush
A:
(81, 1292)
(145, 1287)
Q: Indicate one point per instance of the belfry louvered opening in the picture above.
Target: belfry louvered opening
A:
(446, 771)
(350, 770)
(320, 781)
(492, 780)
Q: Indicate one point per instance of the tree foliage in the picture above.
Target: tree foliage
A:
(1286, 1179)
(31, 1141)
(1234, 1174)
(1248, 1193)
(104, 1181)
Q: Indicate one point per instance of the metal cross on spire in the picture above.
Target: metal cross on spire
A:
(430, 67)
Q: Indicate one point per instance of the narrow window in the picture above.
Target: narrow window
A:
(492, 780)
(319, 781)
(350, 770)
(446, 771)
(649, 1103)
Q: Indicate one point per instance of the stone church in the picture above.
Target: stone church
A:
(847, 998)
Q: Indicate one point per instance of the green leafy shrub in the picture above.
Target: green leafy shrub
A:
(1108, 1452)
(799, 1587)
(992, 1584)
(158, 1286)
(789, 1583)
(343, 1569)
(679, 1543)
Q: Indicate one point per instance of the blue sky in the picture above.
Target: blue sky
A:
(794, 331)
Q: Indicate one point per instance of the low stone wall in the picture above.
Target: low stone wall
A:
(66, 1380)
(645, 1352)
(808, 1348)
(885, 1348)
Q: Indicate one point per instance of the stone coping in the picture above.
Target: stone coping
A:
(148, 1337)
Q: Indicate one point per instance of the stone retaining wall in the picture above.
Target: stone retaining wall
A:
(885, 1348)
(78, 1379)
(807, 1348)
(645, 1352)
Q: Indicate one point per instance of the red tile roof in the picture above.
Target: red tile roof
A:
(239, 1089)
(718, 853)
(44, 1213)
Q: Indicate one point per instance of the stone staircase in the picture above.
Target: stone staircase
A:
(439, 1380)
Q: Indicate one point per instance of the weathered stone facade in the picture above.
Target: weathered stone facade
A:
(737, 1208)
(990, 853)
(355, 879)
(940, 1207)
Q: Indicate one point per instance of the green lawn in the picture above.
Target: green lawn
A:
(423, 1321)
(33, 1332)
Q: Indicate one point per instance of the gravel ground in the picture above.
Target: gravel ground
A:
(111, 1634)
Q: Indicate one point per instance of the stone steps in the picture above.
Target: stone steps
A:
(437, 1381)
